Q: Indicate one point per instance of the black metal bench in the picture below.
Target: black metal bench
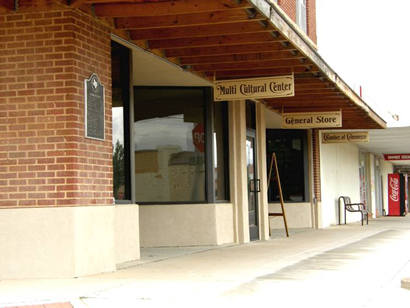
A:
(353, 207)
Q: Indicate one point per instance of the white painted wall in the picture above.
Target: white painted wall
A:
(263, 208)
(298, 215)
(127, 237)
(339, 164)
(66, 242)
(186, 224)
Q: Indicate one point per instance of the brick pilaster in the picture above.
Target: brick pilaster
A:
(45, 160)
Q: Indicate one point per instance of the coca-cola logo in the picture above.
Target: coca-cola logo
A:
(394, 185)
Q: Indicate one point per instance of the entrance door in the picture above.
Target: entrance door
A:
(253, 185)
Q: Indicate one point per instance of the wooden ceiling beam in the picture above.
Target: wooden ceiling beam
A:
(313, 98)
(317, 100)
(219, 40)
(312, 80)
(249, 65)
(6, 5)
(237, 58)
(167, 8)
(183, 20)
(227, 50)
(120, 1)
(310, 109)
(200, 31)
(279, 103)
(316, 91)
(255, 72)
(312, 89)
(76, 3)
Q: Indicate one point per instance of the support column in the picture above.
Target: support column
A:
(317, 190)
(263, 209)
(56, 207)
(237, 164)
(371, 185)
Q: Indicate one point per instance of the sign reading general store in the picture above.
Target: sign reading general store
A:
(312, 119)
(345, 137)
(235, 89)
(397, 156)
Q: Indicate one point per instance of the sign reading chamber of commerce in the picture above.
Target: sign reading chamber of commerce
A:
(270, 87)
(345, 137)
(312, 119)
(94, 108)
(397, 156)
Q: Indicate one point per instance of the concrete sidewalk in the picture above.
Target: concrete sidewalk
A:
(359, 266)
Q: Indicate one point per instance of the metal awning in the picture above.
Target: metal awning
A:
(225, 39)
(393, 140)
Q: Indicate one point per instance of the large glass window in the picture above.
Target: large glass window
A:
(169, 144)
(120, 122)
(290, 147)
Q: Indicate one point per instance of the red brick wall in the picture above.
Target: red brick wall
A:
(289, 7)
(317, 189)
(45, 160)
(311, 19)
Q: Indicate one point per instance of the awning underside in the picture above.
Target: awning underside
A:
(224, 39)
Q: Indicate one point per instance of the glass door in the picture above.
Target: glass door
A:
(253, 185)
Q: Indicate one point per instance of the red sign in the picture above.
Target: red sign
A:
(396, 156)
(198, 137)
(394, 194)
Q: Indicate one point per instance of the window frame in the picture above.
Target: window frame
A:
(125, 81)
(225, 124)
(301, 15)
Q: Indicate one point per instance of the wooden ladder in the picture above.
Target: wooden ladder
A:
(275, 161)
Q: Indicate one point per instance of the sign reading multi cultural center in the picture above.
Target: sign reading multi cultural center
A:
(345, 137)
(94, 108)
(312, 119)
(280, 86)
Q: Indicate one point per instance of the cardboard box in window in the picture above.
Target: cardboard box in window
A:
(146, 162)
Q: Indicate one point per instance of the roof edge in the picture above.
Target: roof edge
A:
(291, 31)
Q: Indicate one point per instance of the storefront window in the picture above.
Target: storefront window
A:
(291, 151)
(169, 144)
(221, 151)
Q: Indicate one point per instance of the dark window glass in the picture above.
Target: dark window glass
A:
(291, 151)
(250, 115)
(120, 121)
(169, 138)
(221, 151)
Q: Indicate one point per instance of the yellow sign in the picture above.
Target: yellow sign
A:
(228, 90)
(345, 137)
(312, 119)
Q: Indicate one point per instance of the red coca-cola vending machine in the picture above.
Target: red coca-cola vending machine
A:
(397, 191)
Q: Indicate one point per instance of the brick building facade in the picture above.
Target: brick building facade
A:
(289, 7)
(58, 184)
(45, 158)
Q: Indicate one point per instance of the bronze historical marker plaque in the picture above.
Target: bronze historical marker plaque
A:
(94, 108)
